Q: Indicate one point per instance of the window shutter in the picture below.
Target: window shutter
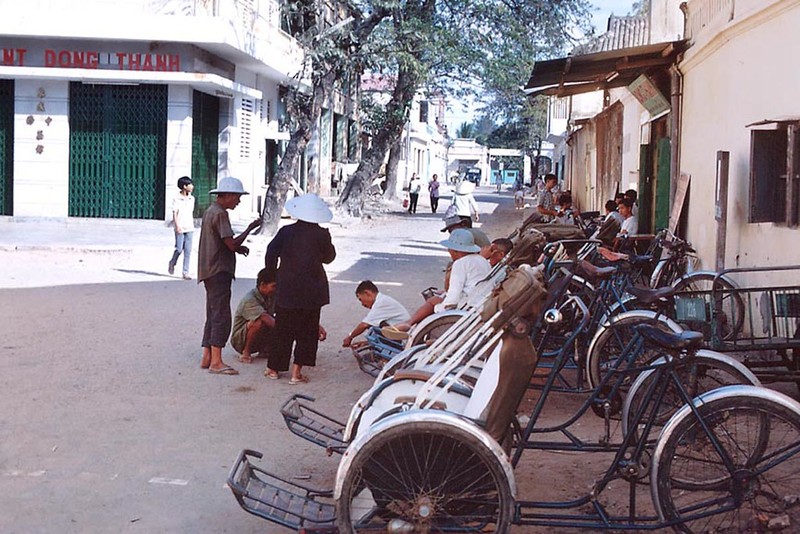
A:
(767, 176)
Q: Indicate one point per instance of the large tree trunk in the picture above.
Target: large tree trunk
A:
(352, 197)
(391, 169)
(306, 112)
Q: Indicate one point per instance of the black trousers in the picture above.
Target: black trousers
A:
(412, 204)
(434, 204)
(298, 329)
(218, 310)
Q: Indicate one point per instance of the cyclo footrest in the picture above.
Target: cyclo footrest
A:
(312, 425)
(278, 500)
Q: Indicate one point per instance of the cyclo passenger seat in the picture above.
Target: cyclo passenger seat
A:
(646, 295)
(686, 340)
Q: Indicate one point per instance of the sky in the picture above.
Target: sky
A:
(602, 9)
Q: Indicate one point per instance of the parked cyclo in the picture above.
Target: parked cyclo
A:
(433, 445)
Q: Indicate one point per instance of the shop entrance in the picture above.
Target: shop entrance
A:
(6, 147)
(205, 148)
(117, 150)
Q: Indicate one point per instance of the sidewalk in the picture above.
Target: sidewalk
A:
(43, 253)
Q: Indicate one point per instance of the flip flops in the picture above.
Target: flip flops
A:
(272, 375)
(301, 380)
(223, 371)
(242, 358)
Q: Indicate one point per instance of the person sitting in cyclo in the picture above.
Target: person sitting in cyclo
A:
(468, 269)
(383, 310)
(254, 321)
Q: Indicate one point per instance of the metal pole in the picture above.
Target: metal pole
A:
(721, 204)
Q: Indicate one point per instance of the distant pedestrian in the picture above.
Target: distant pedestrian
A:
(297, 254)
(498, 180)
(433, 189)
(414, 187)
(183, 221)
(464, 202)
(216, 269)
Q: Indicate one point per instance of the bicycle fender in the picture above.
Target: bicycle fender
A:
(694, 274)
(427, 416)
(738, 391)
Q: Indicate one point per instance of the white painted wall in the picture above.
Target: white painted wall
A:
(179, 141)
(41, 180)
(743, 74)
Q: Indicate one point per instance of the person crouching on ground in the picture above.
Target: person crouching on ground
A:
(254, 320)
(383, 310)
(468, 269)
(216, 269)
(297, 254)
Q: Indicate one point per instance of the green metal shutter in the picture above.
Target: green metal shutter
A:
(205, 148)
(6, 147)
(662, 184)
(118, 140)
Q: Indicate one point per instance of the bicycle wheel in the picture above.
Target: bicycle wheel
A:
(424, 476)
(706, 371)
(731, 317)
(550, 341)
(434, 328)
(760, 436)
(611, 340)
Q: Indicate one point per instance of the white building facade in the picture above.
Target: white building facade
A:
(104, 105)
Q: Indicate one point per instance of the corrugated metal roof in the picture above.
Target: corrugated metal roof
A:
(623, 32)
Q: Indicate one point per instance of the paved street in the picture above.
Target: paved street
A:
(109, 425)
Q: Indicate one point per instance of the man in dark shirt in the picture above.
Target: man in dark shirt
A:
(296, 254)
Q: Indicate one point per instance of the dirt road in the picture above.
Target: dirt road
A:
(108, 423)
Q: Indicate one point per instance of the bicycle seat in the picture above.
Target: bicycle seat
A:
(597, 273)
(687, 339)
(649, 296)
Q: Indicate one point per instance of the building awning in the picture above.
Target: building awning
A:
(602, 70)
(212, 84)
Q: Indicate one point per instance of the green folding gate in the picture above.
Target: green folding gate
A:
(205, 148)
(117, 150)
(6, 146)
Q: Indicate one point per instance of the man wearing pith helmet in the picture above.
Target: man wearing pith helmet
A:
(297, 254)
(216, 269)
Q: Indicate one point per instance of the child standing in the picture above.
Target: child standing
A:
(183, 219)
(216, 268)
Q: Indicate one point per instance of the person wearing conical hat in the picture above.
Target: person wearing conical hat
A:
(216, 269)
(297, 254)
(464, 202)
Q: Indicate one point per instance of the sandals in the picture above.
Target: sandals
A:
(301, 380)
(272, 375)
(244, 359)
(223, 371)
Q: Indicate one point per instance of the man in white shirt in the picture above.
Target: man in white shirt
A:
(383, 310)
(630, 225)
(183, 220)
(468, 269)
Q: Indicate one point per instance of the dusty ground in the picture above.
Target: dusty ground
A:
(109, 425)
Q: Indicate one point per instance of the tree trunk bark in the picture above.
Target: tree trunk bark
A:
(391, 169)
(306, 113)
(352, 197)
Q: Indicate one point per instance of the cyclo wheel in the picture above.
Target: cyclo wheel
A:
(760, 435)
(437, 326)
(707, 371)
(611, 339)
(424, 476)
(732, 304)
